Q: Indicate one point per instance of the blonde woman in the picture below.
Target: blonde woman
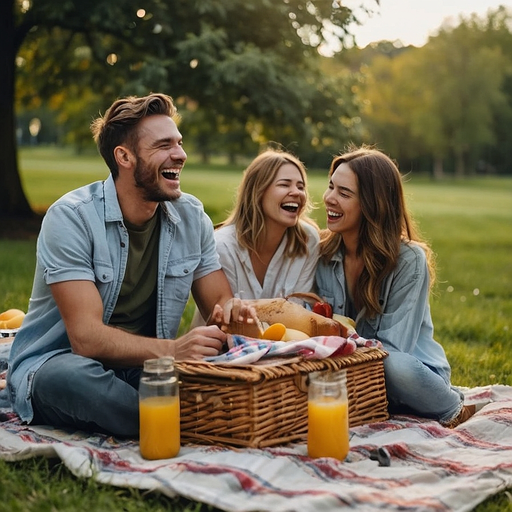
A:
(374, 268)
(268, 247)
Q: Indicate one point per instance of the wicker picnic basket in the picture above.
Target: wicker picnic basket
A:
(266, 405)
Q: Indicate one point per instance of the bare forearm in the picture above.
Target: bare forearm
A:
(82, 311)
(117, 347)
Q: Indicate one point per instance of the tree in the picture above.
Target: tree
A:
(447, 99)
(13, 200)
(495, 31)
(462, 82)
(390, 92)
(248, 60)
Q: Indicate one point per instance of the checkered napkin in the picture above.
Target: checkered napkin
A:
(245, 350)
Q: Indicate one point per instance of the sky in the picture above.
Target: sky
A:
(412, 21)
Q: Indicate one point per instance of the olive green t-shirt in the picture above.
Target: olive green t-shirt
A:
(135, 309)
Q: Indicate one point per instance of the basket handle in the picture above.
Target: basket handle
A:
(308, 297)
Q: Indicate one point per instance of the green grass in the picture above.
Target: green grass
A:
(37, 485)
(468, 223)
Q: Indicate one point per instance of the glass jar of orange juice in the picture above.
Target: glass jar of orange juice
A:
(159, 409)
(328, 431)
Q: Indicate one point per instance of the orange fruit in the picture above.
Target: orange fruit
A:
(11, 319)
(10, 313)
(14, 322)
(274, 332)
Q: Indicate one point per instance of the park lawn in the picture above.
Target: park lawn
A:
(468, 222)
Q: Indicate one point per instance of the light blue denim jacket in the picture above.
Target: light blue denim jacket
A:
(83, 238)
(405, 324)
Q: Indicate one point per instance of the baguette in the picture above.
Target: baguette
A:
(292, 315)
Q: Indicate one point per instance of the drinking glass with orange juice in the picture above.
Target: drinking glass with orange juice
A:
(328, 433)
(159, 409)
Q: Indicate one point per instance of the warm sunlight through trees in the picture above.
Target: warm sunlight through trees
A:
(247, 72)
(252, 65)
(449, 99)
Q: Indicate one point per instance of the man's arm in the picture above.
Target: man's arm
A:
(81, 308)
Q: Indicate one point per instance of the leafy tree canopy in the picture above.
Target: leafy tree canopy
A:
(451, 99)
(245, 60)
(250, 65)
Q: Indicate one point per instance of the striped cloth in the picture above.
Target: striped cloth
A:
(245, 350)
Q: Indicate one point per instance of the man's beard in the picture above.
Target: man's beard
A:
(147, 180)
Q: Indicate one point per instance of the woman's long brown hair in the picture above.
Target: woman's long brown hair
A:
(385, 224)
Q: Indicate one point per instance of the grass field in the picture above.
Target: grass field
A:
(468, 223)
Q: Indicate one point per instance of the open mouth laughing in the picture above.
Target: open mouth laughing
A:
(333, 215)
(291, 207)
(171, 174)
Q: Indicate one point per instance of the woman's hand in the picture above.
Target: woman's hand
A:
(234, 310)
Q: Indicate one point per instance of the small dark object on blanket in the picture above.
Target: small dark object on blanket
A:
(381, 454)
(3, 417)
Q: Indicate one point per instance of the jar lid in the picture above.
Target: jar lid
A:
(161, 364)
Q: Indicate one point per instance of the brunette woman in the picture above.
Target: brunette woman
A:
(375, 268)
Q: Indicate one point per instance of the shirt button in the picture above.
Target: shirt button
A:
(123, 244)
(186, 271)
(105, 276)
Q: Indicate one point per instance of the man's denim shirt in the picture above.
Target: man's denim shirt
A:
(83, 238)
(405, 324)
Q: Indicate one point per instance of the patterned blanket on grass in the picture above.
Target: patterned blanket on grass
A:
(432, 468)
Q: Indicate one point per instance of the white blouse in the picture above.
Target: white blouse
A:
(284, 275)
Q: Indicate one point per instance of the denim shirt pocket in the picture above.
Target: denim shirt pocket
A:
(104, 273)
(104, 276)
(179, 277)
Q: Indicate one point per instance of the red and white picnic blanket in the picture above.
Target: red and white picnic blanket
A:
(433, 469)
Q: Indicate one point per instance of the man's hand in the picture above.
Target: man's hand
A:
(200, 342)
(215, 301)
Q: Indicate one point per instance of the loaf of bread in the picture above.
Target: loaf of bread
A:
(292, 315)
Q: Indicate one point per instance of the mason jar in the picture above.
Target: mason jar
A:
(159, 409)
(328, 432)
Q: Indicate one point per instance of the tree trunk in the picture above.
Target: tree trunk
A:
(13, 202)
(438, 168)
(460, 167)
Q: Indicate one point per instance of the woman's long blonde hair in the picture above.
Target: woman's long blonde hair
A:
(385, 224)
(247, 215)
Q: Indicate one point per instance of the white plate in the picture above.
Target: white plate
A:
(8, 333)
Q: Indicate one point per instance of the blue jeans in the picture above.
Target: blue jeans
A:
(414, 387)
(74, 391)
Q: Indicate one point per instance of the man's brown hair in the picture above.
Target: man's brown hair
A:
(119, 124)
